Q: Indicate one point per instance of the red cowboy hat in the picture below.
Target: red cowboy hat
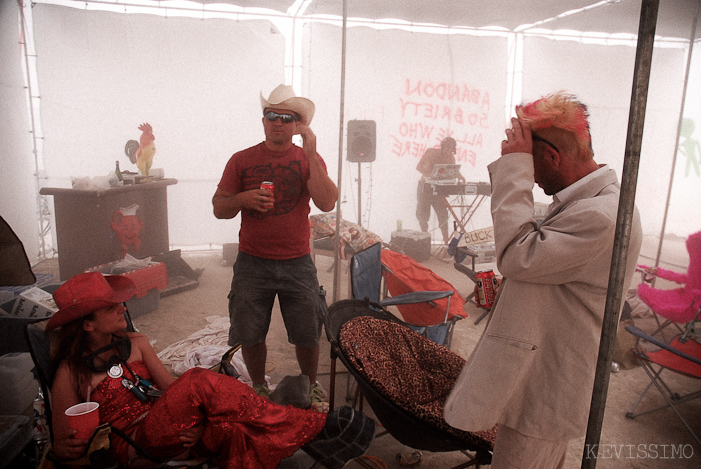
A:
(88, 292)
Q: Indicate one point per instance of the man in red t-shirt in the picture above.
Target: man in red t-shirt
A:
(274, 254)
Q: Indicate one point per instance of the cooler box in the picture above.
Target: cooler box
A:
(415, 244)
(19, 386)
(15, 435)
(149, 281)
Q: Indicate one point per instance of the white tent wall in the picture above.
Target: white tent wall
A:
(418, 88)
(197, 82)
(17, 182)
(601, 77)
(683, 215)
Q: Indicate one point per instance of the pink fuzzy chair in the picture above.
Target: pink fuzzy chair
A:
(679, 305)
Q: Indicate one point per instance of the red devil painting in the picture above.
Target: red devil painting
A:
(128, 227)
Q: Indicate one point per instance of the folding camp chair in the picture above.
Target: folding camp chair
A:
(405, 378)
(428, 304)
(683, 356)
(679, 305)
(39, 342)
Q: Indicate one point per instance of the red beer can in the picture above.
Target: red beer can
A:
(485, 288)
(268, 186)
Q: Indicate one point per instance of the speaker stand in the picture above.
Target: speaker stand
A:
(360, 183)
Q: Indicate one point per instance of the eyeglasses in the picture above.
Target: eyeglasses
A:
(272, 116)
(538, 138)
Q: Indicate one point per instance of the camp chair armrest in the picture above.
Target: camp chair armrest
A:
(416, 297)
(649, 273)
(636, 331)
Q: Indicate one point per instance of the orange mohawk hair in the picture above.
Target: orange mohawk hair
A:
(562, 111)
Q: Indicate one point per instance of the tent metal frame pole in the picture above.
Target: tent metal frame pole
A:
(676, 142)
(44, 218)
(626, 207)
(341, 124)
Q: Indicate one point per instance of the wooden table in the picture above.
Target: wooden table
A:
(84, 233)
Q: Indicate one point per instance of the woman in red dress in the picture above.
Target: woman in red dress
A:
(202, 413)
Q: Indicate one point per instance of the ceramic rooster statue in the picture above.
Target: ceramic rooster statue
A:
(144, 155)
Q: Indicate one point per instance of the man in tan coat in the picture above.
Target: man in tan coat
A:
(532, 371)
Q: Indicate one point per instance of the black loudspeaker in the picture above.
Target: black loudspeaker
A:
(361, 141)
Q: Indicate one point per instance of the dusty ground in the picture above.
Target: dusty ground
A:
(651, 441)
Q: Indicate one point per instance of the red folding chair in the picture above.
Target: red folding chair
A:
(681, 355)
(403, 275)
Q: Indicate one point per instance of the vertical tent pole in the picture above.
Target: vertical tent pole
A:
(336, 244)
(626, 204)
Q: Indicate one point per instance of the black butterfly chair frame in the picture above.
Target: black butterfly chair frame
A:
(404, 426)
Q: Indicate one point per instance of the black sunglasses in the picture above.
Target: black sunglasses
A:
(98, 364)
(538, 138)
(284, 118)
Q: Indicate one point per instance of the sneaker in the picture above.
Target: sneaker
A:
(318, 397)
(262, 390)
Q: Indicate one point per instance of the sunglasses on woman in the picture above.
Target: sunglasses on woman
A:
(272, 116)
(96, 363)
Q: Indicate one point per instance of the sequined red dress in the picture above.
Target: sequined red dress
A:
(242, 429)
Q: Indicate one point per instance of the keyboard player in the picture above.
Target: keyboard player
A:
(425, 200)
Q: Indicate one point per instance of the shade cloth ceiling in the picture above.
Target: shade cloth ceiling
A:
(605, 16)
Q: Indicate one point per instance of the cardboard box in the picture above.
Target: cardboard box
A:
(147, 303)
(485, 253)
(8, 292)
(34, 303)
(12, 337)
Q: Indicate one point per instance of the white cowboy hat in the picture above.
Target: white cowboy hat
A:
(283, 97)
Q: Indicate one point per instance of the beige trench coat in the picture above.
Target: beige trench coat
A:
(533, 368)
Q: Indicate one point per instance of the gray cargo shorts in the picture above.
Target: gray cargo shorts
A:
(255, 285)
